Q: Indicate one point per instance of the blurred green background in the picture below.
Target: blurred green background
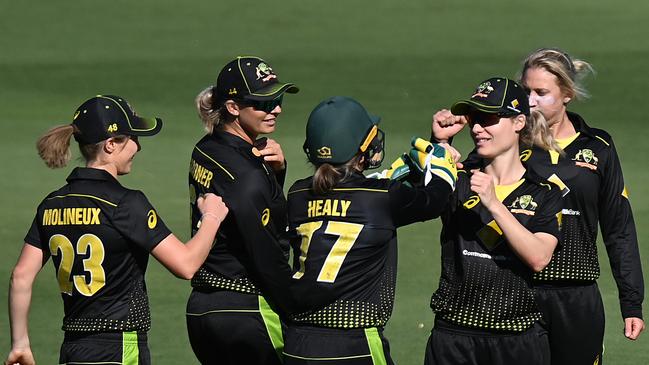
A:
(401, 59)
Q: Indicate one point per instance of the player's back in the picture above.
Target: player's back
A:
(87, 227)
(345, 252)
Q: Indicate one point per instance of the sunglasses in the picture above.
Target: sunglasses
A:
(266, 106)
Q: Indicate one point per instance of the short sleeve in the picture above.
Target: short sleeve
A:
(136, 219)
(33, 236)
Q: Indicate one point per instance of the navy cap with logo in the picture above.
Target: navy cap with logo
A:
(497, 95)
(338, 128)
(249, 78)
(105, 116)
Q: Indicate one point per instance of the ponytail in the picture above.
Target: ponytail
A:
(54, 146)
(212, 115)
(327, 176)
(537, 132)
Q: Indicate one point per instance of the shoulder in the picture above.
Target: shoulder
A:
(301, 185)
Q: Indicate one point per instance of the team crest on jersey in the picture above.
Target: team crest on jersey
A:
(264, 72)
(586, 158)
(324, 152)
(524, 204)
(483, 90)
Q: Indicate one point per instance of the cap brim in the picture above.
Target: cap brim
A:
(270, 92)
(464, 107)
(145, 126)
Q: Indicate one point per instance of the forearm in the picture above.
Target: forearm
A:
(533, 250)
(199, 246)
(20, 295)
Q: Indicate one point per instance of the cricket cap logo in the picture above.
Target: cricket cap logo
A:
(483, 90)
(264, 72)
(324, 152)
(514, 106)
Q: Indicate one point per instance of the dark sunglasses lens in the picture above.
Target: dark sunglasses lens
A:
(270, 105)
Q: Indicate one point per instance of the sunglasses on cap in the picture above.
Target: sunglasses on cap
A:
(266, 106)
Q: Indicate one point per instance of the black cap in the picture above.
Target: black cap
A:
(497, 95)
(106, 116)
(251, 78)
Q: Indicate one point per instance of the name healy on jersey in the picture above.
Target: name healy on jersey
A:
(71, 216)
(330, 207)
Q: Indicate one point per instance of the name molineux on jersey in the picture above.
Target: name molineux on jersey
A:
(71, 216)
(330, 207)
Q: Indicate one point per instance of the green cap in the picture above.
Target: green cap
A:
(338, 128)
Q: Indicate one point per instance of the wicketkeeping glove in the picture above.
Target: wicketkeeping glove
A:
(433, 159)
(399, 170)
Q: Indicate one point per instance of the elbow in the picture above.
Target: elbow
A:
(185, 273)
(540, 263)
(20, 279)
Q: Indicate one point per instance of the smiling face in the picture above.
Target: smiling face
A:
(546, 95)
(494, 135)
(255, 122)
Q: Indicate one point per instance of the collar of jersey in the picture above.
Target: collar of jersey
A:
(89, 173)
(230, 139)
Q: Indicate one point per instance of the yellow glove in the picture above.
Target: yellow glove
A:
(399, 170)
(433, 159)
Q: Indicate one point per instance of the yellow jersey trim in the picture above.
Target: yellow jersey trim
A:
(217, 164)
(83, 196)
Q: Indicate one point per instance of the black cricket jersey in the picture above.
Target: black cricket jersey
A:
(344, 244)
(248, 255)
(99, 235)
(483, 283)
(590, 176)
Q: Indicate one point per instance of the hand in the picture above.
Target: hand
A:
(272, 153)
(446, 125)
(212, 205)
(633, 326)
(455, 154)
(483, 185)
(20, 356)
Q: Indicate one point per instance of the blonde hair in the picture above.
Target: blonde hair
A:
(212, 114)
(569, 72)
(537, 132)
(326, 175)
(54, 146)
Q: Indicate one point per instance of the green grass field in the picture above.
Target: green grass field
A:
(401, 59)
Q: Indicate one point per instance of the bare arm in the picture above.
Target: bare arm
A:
(28, 266)
(183, 260)
(535, 249)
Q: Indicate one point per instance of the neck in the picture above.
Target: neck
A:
(505, 168)
(110, 168)
(235, 128)
(563, 128)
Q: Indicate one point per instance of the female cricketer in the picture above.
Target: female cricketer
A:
(99, 235)
(589, 173)
(232, 312)
(343, 233)
(501, 226)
